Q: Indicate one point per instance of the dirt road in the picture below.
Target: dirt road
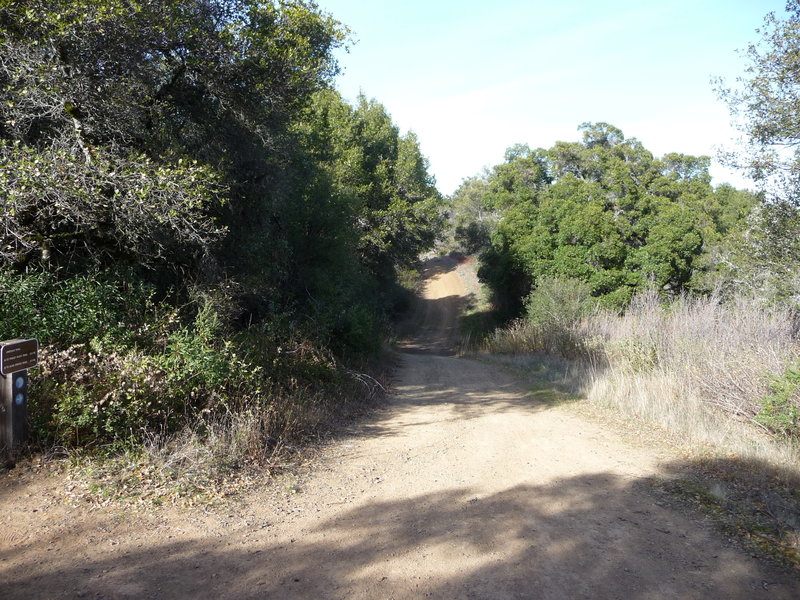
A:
(462, 486)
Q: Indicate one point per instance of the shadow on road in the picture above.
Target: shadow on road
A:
(593, 535)
(565, 539)
(438, 265)
(433, 326)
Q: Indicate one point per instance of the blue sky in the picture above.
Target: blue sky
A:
(473, 78)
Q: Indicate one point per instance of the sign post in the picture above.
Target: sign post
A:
(16, 357)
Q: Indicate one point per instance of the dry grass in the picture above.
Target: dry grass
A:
(723, 354)
(696, 372)
(696, 367)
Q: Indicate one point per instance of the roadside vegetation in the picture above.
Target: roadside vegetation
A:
(203, 235)
(679, 298)
(211, 246)
(631, 281)
(719, 374)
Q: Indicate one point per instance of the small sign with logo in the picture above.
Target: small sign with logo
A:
(18, 355)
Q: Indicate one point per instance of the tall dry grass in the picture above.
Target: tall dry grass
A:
(696, 366)
(723, 353)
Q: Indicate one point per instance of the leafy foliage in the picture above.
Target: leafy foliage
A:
(72, 310)
(606, 212)
(764, 106)
(382, 175)
(781, 409)
(162, 111)
(182, 196)
(59, 209)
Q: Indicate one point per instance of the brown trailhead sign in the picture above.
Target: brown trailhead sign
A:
(18, 355)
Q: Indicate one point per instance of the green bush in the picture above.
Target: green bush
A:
(559, 302)
(100, 393)
(780, 410)
(72, 310)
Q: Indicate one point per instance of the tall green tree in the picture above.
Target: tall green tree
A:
(384, 177)
(603, 211)
(128, 98)
(765, 106)
(197, 142)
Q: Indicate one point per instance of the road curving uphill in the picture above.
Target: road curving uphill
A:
(462, 486)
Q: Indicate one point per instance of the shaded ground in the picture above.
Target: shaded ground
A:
(463, 486)
(433, 327)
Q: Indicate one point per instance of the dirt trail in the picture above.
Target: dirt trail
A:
(462, 486)
(433, 327)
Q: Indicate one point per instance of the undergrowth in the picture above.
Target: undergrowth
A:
(153, 402)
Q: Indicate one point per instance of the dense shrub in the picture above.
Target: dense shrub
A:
(102, 393)
(604, 211)
(195, 225)
(64, 311)
(781, 408)
(554, 309)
